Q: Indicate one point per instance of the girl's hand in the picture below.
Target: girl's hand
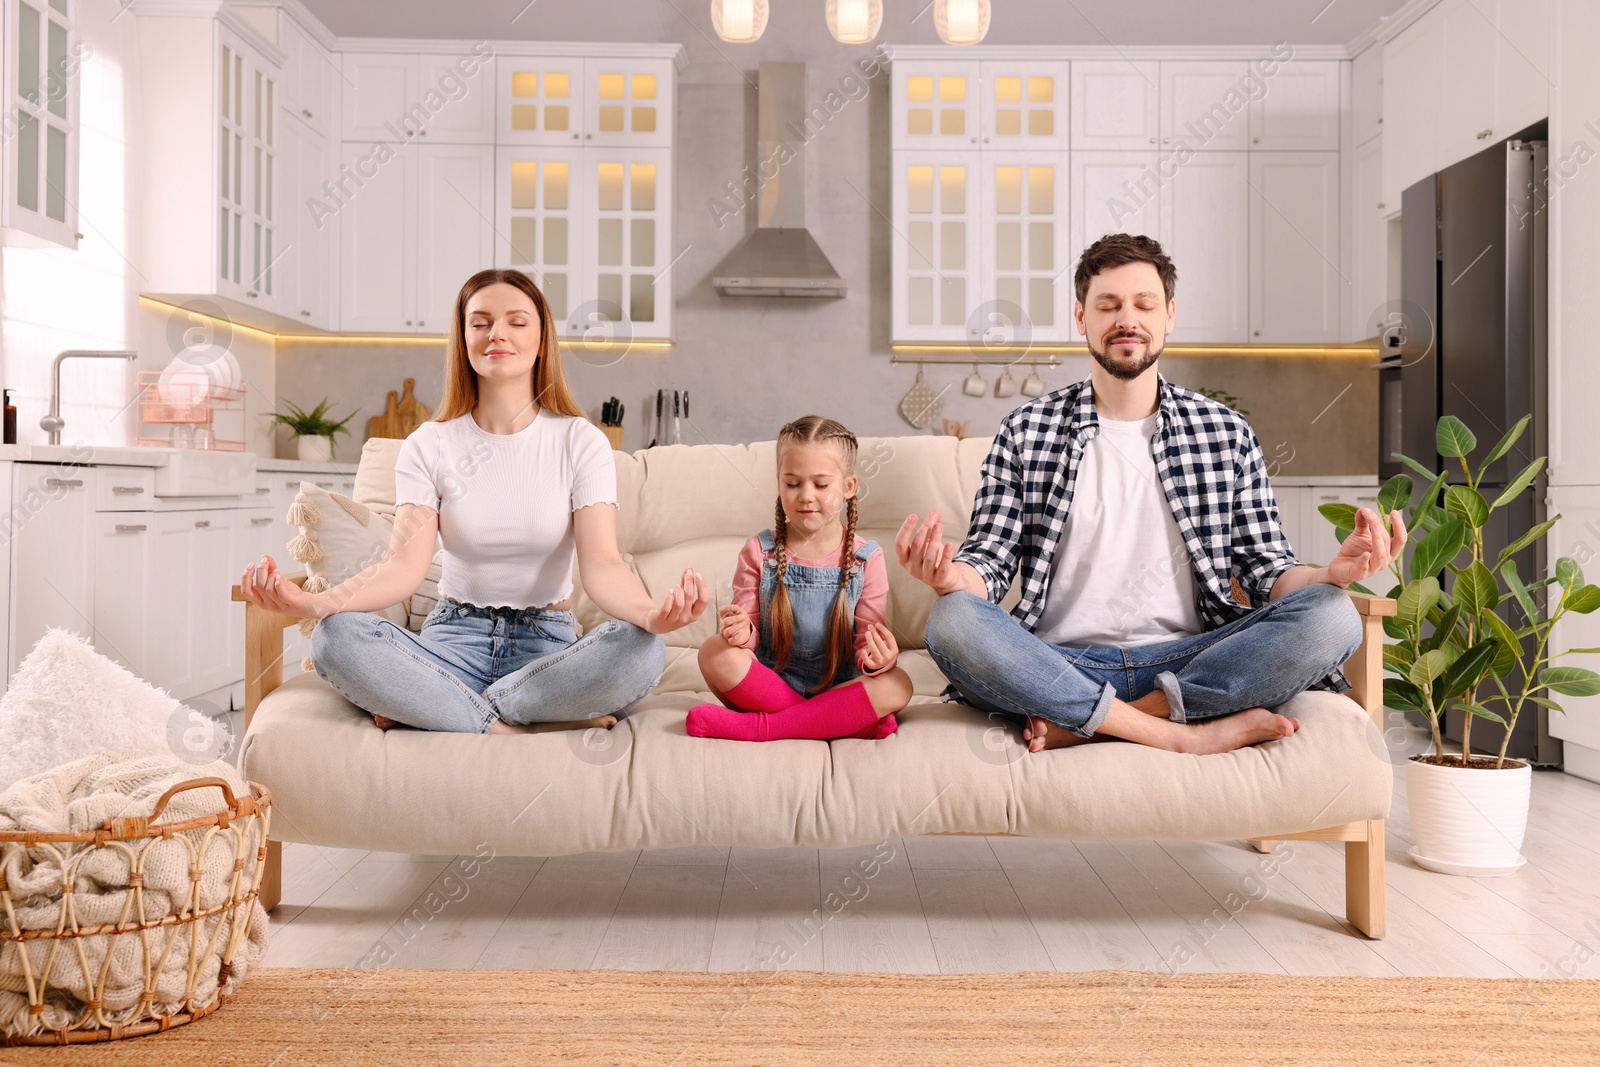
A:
(881, 648)
(683, 604)
(265, 587)
(736, 625)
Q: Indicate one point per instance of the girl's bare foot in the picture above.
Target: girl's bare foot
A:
(383, 722)
(603, 722)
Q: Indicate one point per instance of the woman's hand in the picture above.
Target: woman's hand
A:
(881, 648)
(263, 586)
(682, 605)
(736, 625)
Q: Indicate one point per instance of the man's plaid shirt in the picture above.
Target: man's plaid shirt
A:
(1212, 474)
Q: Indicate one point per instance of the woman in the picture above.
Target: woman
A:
(516, 481)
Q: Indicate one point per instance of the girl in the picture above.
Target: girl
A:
(517, 482)
(820, 593)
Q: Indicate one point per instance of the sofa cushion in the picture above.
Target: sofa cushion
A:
(339, 537)
(339, 782)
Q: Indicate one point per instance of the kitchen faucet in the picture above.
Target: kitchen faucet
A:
(53, 422)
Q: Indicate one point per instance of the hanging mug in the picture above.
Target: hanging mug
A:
(1005, 385)
(1033, 385)
(975, 385)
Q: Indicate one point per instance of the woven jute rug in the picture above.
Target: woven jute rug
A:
(286, 1018)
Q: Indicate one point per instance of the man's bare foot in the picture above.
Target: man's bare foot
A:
(603, 722)
(1153, 703)
(1250, 727)
(1042, 734)
(383, 722)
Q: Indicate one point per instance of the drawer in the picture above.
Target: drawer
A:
(125, 489)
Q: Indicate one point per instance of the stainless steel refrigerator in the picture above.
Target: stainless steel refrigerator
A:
(1473, 257)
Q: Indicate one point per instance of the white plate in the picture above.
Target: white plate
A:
(1465, 870)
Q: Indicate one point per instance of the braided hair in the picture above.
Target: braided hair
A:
(841, 627)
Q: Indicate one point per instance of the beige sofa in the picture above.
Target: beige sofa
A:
(647, 784)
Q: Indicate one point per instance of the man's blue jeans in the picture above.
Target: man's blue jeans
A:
(1260, 660)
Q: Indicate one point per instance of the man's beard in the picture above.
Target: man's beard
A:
(1123, 370)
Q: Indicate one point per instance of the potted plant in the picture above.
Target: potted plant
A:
(1451, 649)
(313, 429)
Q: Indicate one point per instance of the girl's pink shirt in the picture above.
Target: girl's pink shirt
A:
(871, 608)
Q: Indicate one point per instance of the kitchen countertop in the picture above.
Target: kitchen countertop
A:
(135, 456)
(1359, 481)
(304, 466)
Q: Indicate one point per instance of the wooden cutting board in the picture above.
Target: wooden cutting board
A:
(413, 413)
(388, 424)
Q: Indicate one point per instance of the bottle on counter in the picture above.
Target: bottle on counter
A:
(11, 420)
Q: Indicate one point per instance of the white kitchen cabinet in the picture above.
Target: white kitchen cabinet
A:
(247, 170)
(540, 100)
(1112, 192)
(1299, 111)
(305, 268)
(417, 229)
(310, 74)
(628, 102)
(1024, 105)
(1204, 106)
(52, 575)
(1467, 122)
(937, 266)
(1413, 106)
(1522, 64)
(1205, 219)
(539, 201)
(935, 104)
(1116, 105)
(39, 205)
(1026, 282)
(1366, 95)
(1369, 241)
(1322, 541)
(143, 595)
(627, 244)
(393, 97)
(1577, 535)
(1294, 246)
(1293, 501)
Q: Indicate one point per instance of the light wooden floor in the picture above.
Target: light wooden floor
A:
(957, 904)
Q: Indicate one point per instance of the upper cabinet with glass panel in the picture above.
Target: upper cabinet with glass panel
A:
(967, 103)
(573, 100)
(41, 122)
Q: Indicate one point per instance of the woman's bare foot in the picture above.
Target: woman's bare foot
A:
(603, 722)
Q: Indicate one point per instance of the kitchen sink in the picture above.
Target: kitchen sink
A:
(189, 472)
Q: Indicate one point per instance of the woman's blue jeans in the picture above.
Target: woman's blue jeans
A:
(1260, 660)
(472, 665)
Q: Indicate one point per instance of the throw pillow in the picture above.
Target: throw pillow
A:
(338, 539)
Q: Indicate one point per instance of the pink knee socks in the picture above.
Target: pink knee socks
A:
(843, 712)
(762, 689)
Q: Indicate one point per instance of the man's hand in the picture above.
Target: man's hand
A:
(1369, 549)
(736, 625)
(881, 648)
(682, 605)
(925, 555)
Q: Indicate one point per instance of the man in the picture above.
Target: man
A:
(1129, 506)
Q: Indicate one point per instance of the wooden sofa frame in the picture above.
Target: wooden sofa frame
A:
(1363, 841)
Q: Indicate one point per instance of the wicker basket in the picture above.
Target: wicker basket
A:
(60, 983)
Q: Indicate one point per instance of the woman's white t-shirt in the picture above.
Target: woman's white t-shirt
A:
(505, 502)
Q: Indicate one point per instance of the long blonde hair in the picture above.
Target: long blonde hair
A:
(461, 381)
(841, 627)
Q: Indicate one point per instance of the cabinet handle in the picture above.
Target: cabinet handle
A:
(421, 323)
(201, 524)
(1258, 333)
(408, 322)
(307, 314)
(261, 521)
(1380, 120)
(1255, 140)
(127, 490)
(574, 137)
(588, 136)
(974, 140)
(291, 485)
(1380, 205)
(123, 527)
(1166, 140)
(1152, 140)
(306, 112)
(251, 293)
(424, 132)
(63, 483)
(324, 485)
(264, 489)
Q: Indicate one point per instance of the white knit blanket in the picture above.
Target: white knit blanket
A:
(82, 796)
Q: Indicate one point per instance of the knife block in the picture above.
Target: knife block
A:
(614, 435)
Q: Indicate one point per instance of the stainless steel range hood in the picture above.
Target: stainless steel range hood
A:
(781, 258)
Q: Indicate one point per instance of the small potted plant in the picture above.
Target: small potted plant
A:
(1453, 649)
(314, 429)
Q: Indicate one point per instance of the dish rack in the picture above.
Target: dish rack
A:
(188, 410)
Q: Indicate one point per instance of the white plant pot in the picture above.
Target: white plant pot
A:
(1468, 821)
(316, 448)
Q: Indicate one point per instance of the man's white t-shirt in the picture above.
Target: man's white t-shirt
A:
(1121, 575)
(505, 502)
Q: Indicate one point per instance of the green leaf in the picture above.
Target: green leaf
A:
(1454, 439)
(1395, 494)
(1525, 540)
(1586, 651)
(1392, 627)
(1341, 515)
(1520, 482)
(1505, 660)
(1584, 600)
(1475, 589)
(1518, 590)
(1571, 681)
(1504, 444)
(1547, 702)
(1398, 658)
(1358, 587)
(1484, 713)
(1430, 496)
(1399, 693)
(1429, 665)
(1413, 464)
(1444, 629)
(1440, 547)
(1468, 670)
(1416, 600)
(1568, 573)
(1468, 503)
